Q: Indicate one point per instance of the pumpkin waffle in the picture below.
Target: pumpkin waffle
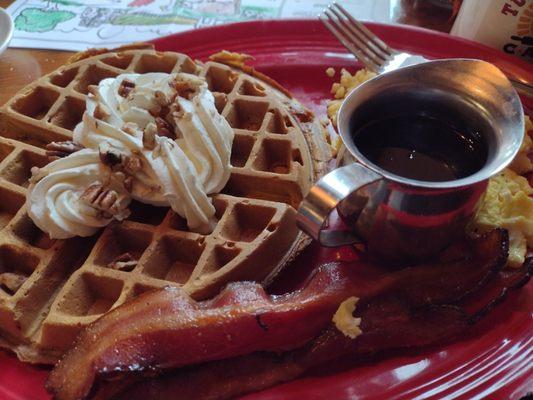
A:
(51, 289)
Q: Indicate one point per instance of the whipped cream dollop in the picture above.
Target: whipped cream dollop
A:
(158, 134)
(56, 201)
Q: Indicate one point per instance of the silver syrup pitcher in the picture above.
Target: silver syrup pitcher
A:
(400, 218)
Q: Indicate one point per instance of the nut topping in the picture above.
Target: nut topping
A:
(103, 199)
(128, 184)
(164, 128)
(184, 88)
(149, 136)
(155, 111)
(130, 128)
(12, 281)
(55, 150)
(132, 164)
(101, 112)
(92, 89)
(161, 98)
(117, 161)
(109, 155)
(163, 113)
(125, 88)
(124, 262)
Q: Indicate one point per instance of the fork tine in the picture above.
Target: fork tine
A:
(360, 40)
(349, 45)
(369, 35)
(353, 44)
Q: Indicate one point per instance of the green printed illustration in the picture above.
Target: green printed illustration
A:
(78, 24)
(150, 19)
(65, 2)
(39, 20)
(181, 14)
(177, 12)
(228, 11)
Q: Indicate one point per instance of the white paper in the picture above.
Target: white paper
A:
(79, 25)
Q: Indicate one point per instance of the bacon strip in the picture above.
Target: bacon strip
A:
(480, 303)
(385, 326)
(166, 329)
(229, 378)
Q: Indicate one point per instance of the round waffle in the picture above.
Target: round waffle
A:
(51, 289)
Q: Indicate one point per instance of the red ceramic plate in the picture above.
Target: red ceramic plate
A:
(492, 361)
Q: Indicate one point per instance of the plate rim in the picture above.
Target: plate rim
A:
(520, 65)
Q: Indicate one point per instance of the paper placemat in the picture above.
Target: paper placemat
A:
(78, 25)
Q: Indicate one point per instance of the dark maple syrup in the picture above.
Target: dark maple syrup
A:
(422, 147)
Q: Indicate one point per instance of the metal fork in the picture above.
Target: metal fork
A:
(375, 54)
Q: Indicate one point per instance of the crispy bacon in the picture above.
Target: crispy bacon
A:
(385, 324)
(166, 329)
(229, 378)
(480, 303)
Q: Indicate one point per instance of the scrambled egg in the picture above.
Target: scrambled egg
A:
(341, 89)
(330, 72)
(508, 202)
(344, 319)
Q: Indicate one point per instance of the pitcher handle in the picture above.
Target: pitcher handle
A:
(325, 196)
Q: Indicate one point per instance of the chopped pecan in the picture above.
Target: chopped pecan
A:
(12, 281)
(123, 262)
(92, 89)
(101, 112)
(175, 108)
(128, 184)
(55, 150)
(149, 136)
(185, 89)
(132, 164)
(161, 98)
(109, 155)
(103, 199)
(155, 111)
(164, 128)
(130, 128)
(165, 110)
(125, 88)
